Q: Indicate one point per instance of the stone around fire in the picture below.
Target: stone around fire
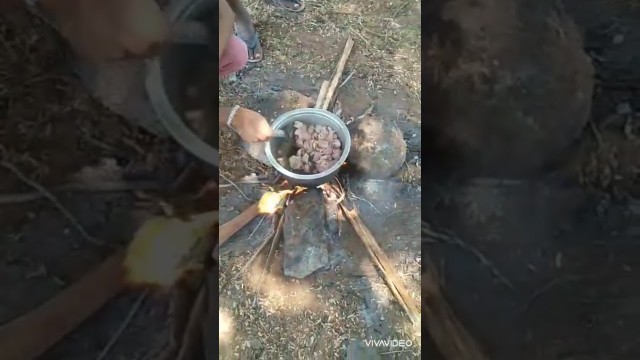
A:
(378, 149)
(305, 235)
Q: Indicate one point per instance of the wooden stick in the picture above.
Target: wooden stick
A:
(384, 265)
(193, 331)
(448, 333)
(338, 74)
(182, 299)
(322, 94)
(29, 336)
(234, 225)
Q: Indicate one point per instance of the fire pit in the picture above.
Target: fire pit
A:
(283, 147)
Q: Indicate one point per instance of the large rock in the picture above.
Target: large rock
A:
(378, 149)
(508, 84)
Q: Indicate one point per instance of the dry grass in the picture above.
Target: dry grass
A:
(275, 318)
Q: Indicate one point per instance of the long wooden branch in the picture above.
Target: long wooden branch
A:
(381, 260)
(331, 91)
(233, 226)
(29, 336)
(450, 336)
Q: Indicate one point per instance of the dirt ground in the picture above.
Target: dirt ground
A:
(566, 240)
(50, 130)
(271, 316)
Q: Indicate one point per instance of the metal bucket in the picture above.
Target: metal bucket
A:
(313, 117)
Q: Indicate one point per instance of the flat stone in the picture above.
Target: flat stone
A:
(357, 350)
(305, 235)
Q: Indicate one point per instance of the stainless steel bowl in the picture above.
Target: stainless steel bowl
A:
(314, 117)
(166, 75)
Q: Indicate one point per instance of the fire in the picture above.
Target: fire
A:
(273, 201)
(162, 249)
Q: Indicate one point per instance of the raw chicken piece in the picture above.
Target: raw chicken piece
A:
(318, 148)
(296, 163)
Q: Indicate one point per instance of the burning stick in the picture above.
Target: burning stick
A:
(449, 335)
(384, 265)
(338, 74)
(269, 204)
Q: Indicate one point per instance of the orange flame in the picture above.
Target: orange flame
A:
(273, 201)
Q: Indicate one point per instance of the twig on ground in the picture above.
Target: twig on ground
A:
(384, 265)
(246, 266)
(361, 116)
(274, 242)
(546, 288)
(353, 196)
(347, 79)
(264, 243)
(53, 200)
(331, 91)
(134, 310)
(248, 182)
(453, 240)
(108, 186)
(234, 185)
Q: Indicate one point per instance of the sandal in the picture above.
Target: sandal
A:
(255, 49)
(253, 45)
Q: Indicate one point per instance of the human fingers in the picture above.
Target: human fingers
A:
(263, 130)
(144, 26)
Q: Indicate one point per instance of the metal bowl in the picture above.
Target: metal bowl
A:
(168, 73)
(314, 117)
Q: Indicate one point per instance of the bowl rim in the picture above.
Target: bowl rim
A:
(157, 95)
(346, 146)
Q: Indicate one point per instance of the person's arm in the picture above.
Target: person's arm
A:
(226, 18)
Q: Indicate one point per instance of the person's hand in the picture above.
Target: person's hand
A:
(109, 29)
(251, 126)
